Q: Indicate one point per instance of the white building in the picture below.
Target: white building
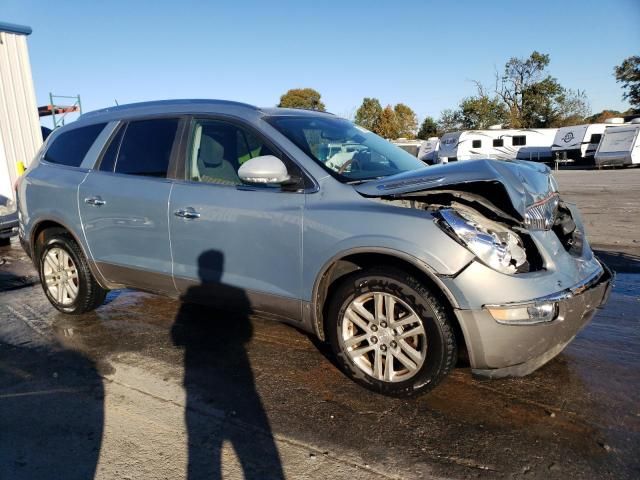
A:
(20, 135)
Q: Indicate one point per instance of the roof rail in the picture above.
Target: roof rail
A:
(138, 105)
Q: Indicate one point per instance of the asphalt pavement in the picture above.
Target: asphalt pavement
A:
(145, 387)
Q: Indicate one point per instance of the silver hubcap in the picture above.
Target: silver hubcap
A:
(61, 276)
(384, 337)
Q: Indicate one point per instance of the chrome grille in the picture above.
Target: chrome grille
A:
(541, 215)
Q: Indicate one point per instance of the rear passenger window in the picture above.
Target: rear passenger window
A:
(498, 142)
(146, 147)
(71, 147)
(476, 144)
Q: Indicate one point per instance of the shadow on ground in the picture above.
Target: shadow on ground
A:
(51, 413)
(620, 261)
(218, 377)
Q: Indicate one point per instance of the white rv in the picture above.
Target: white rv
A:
(525, 144)
(620, 146)
(578, 143)
(428, 151)
(409, 146)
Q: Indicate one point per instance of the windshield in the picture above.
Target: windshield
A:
(347, 151)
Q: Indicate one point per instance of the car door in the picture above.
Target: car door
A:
(123, 206)
(232, 241)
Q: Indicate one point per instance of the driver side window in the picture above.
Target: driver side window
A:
(217, 149)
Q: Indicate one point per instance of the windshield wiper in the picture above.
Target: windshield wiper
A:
(365, 180)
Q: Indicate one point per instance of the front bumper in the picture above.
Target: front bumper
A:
(9, 225)
(498, 350)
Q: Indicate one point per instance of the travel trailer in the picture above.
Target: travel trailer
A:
(578, 143)
(500, 144)
(409, 146)
(428, 151)
(425, 150)
(620, 146)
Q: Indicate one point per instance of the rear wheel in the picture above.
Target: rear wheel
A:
(390, 333)
(66, 278)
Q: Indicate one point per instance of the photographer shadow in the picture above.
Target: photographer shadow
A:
(223, 405)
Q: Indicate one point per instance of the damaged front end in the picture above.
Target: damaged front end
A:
(535, 282)
(492, 208)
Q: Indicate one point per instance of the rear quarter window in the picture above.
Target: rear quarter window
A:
(69, 148)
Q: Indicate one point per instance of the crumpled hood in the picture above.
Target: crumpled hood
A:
(525, 182)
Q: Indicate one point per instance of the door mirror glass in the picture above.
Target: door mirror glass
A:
(264, 169)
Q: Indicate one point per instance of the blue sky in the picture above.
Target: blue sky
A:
(422, 53)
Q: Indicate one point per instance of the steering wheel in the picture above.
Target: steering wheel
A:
(344, 166)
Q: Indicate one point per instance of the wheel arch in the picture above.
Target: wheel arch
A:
(352, 260)
(37, 239)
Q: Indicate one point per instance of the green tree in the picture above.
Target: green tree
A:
(628, 73)
(481, 111)
(525, 89)
(535, 99)
(572, 108)
(368, 113)
(306, 98)
(387, 124)
(407, 121)
(449, 121)
(428, 128)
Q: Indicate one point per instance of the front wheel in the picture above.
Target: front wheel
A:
(66, 278)
(390, 333)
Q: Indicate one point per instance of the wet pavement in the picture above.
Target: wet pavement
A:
(145, 387)
(92, 394)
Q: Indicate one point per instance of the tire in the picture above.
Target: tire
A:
(420, 321)
(88, 294)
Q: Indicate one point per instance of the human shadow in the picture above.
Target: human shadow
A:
(223, 405)
(51, 413)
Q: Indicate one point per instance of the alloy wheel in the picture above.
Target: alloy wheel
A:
(61, 276)
(384, 337)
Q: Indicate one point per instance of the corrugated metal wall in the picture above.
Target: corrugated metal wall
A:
(19, 122)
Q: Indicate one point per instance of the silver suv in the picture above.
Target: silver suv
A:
(317, 222)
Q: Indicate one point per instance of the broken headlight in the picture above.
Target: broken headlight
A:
(494, 244)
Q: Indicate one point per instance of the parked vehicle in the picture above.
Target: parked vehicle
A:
(409, 146)
(428, 151)
(395, 264)
(425, 150)
(8, 220)
(578, 143)
(620, 146)
(532, 144)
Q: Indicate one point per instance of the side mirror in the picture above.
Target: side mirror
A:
(264, 169)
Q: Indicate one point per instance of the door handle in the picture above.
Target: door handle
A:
(188, 212)
(95, 201)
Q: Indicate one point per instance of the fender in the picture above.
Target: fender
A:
(314, 312)
(35, 224)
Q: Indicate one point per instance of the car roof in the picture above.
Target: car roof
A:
(184, 106)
